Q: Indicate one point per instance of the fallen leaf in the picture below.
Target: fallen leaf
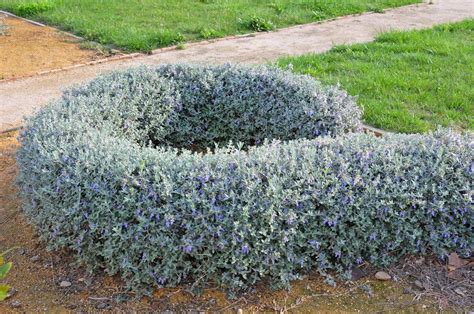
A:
(454, 262)
(357, 273)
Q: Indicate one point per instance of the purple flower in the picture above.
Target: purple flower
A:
(338, 254)
(160, 280)
(152, 194)
(232, 166)
(314, 244)
(245, 249)
(330, 222)
(359, 260)
(169, 222)
(188, 248)
(95, 187)
(373, 237)
(203, 179)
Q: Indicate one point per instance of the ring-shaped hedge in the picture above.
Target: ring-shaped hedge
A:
(117, 171)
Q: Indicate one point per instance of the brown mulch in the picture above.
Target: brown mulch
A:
(450, 285)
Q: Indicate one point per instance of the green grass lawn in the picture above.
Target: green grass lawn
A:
(406, 81)
(148, 24)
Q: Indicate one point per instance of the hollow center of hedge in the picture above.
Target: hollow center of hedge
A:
(197, 108)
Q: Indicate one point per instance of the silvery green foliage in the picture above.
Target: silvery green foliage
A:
(204, 105)
(161, 216)
(222, 103)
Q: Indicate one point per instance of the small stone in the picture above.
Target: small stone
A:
(35, 258)
(240, 311)
(381, 275)
(15, 304)
(102, 306)
(65, 284)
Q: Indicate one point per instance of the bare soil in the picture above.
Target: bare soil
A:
(36, 276)
(27, 49)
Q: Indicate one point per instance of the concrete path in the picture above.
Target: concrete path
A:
(22, 97)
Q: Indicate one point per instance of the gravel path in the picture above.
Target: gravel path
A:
(22, 97)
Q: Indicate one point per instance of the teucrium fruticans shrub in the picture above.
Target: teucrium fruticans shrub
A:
(100, 176)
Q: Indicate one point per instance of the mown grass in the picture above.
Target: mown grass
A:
(147, 24)
(406, 81)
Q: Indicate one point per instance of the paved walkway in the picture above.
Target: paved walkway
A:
(22, 97)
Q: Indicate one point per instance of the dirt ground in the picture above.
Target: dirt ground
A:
(36, 276)
(27, 49)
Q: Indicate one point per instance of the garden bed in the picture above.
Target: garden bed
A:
(143, 113)
(136, 187)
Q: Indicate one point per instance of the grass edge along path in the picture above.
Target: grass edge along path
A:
(151, 25)
(406, 81)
